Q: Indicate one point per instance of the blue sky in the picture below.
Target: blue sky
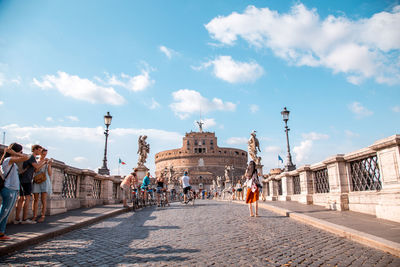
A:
(156, 65)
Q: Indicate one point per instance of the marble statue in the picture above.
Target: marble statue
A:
(170, 173)
(143, 150)
(219, 181)
(228, 170)
(253, 146)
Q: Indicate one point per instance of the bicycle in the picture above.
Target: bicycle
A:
(190, 197)
(163, 199)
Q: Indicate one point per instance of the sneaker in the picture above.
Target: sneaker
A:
(17, 222)
(28, 222)
(4, 237)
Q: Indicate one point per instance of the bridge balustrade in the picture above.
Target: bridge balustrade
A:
(366, 180)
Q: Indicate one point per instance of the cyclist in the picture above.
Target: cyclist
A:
(145, 185)
(185, 181)
(160, 188)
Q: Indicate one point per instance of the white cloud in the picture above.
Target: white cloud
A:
(154, 104)
(72, 118)
(360, 48)
(396, 109)
(209, 123)
(359, 110)
(80, 159)
(134, 83)
(1, 103)
(17, 80)
(254, 108)
(237, 141)
(168, 52)
(188, 102)
(225, 68)
(49, 119)
(80, 88)
(304, 150)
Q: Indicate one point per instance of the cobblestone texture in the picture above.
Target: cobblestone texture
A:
(210, 233)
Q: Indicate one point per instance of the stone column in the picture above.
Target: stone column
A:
(388, 153)
(338, 198)
(107, 191)
(86, 189)
(287, 186)
(55, 202)
(306, 185)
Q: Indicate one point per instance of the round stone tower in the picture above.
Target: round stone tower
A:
(201, 156)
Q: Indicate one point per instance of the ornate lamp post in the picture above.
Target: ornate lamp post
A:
(107, 121)
(289, 164)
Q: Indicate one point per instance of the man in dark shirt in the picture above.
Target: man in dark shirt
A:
(25, 178)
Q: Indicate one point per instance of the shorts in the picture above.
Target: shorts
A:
(144, 187)
(159, 190)
(239, 189)
(125, 192)
(186, 189)
(25, 189)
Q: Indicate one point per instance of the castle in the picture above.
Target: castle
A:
(204, 160)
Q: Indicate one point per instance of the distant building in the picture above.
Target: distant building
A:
(201, 156)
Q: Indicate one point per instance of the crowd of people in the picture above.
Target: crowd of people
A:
(34, 179)
(19, 184)
(250, 191)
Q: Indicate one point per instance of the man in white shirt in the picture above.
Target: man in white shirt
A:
(185, 181)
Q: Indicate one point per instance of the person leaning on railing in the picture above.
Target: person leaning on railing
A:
(127, 184)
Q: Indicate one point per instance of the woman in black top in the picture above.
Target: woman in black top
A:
(160, 189)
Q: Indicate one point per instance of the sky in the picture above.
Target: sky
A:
(158, 66)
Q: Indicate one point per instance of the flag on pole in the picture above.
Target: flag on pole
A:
(280, 159)
(121, 162)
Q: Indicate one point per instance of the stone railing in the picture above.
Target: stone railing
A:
(367, 181)
(75, 188)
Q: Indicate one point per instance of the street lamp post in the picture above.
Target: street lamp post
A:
(289, 164)
(107, 121)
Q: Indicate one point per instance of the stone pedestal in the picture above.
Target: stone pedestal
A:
(141, 173)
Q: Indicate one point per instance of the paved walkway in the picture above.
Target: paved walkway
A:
(209, 233)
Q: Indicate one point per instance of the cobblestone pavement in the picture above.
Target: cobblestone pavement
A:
(211, 233)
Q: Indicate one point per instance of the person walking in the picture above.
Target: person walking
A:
(44, 188)
(9, 193)
(239, 190)
(185, 181)
(25, 179)
(127, 184)
(253, 184)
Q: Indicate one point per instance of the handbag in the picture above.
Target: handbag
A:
(253, 187)
(3, 180)
(39, 178)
